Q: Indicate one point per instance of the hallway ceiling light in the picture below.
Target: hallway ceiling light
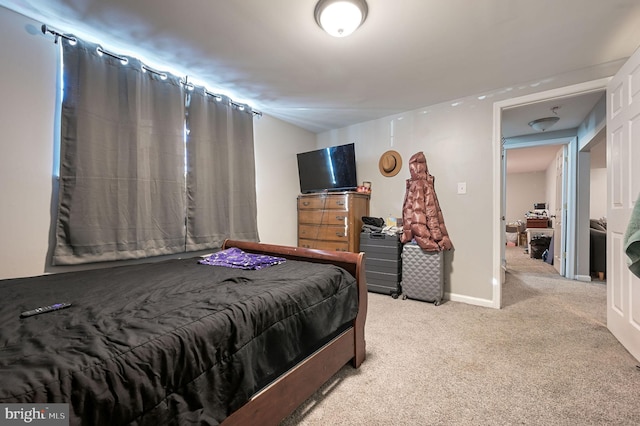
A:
(340, 18)
(542, 124)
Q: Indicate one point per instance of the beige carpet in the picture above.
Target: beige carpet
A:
(546, 358)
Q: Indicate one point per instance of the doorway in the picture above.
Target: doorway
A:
(535, 188)
(576, 237)
(598, 193)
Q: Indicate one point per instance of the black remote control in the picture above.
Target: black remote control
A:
(44, 309)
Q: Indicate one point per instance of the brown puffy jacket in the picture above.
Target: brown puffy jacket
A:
(421, 215)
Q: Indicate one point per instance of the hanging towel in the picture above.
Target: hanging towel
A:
(632, 240)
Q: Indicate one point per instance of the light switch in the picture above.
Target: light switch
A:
(462, 187)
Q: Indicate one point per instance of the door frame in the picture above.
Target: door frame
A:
(569, 144)
(559, 250)
(499, 178)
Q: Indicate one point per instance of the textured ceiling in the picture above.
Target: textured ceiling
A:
(408, 54)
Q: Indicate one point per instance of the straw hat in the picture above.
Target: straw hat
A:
(390, 163)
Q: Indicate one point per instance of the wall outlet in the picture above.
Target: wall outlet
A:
(462, 187)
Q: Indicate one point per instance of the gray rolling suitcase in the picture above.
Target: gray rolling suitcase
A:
(422, 274)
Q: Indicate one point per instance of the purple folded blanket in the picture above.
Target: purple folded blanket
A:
(236, 258)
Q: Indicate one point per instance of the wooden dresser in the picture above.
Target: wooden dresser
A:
(331, 221)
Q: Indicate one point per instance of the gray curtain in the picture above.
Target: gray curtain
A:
(122, 183)
(221, 187)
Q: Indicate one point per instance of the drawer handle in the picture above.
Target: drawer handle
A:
(340, 203)
(340, 217)
(339, 234)
(305, 203)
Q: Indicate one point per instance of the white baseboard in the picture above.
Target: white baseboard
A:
(586, 278)
(486, 303)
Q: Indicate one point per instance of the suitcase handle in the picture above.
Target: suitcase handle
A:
(377, 236)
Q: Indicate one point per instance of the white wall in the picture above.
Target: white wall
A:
(276, 146)
(27, 83)
(457, 144)
(598, 186)
(598, 194)
(523, 190)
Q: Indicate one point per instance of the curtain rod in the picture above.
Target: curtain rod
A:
(46, 29)
(218, 97)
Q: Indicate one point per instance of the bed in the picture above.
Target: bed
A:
(177, 342)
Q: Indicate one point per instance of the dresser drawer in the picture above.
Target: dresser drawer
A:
(324, 245)
(331, 221)
(326, 202)
(323, 217)
(316, 232)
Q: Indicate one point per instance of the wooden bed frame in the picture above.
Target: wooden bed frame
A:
(283, 396)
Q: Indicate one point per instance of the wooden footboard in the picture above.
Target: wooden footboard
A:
(283, 396)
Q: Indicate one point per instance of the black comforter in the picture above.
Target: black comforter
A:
(173, 342)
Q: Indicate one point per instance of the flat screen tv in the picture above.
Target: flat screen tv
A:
(328, 169)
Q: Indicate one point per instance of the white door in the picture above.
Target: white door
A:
(623, 186)
(560, 212)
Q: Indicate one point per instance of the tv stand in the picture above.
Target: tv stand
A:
(331, 220)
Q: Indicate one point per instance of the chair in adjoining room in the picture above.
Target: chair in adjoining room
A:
(598, 248)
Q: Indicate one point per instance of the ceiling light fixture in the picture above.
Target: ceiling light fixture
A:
(542, 124)
(340, 18)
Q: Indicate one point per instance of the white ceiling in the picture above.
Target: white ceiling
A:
(571, 112)
(408, 54)
(539, 158)
(531, 160)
